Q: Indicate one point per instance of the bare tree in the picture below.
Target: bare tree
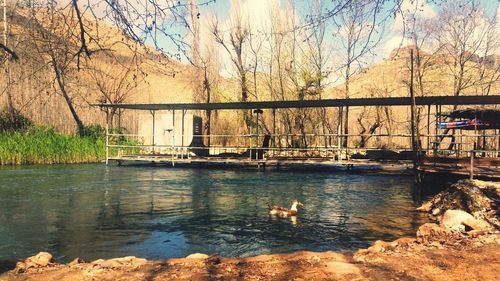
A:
(318, 56)
(419, 33)
(356, 30)
(234, 45)
(58, 44)
(255, 43)
(202, 58)
(116, 81)
(367, 132)
(463, 32)
(13, 56)
(466, 37)
(278, 62)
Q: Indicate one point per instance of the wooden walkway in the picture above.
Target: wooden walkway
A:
(484, 168)
(325, 164)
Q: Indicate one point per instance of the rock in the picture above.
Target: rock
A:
(426, 207)
(476, 224)
(404, 242)
(431, 232)
(75, 261)
(487, 185)
(198, 256)
(381, 246)
(429, 229)
(453, 219)
(129, 261)
(315, 259)
(476, 233)
(39, 260)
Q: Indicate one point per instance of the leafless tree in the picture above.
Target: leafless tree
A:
(11, 56)
(116, 81)
(202, 57)
(319, 56)
(357, 25)
(234, 44)
(467, 38)
(58, 44)
(255, 42)
(419, 34)
(464, 33)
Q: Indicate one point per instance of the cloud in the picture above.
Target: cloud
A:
(410, 9)
(396, 41)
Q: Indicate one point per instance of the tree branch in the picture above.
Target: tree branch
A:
(13, 55)
(83, 42)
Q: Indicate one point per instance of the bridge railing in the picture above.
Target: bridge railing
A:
(329, 146)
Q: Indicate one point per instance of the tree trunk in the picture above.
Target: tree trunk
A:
(10, 102)
(346, 118)
(69, 102)
(208, 112)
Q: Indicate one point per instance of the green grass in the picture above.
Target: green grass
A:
(38, 145)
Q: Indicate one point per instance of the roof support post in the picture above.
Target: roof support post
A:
(339, 133)
(413, 140)
(183, 114)
(153, 136)
(473, 151)
(274, 130)
(428, 127)
(107, 136)
(173, 138)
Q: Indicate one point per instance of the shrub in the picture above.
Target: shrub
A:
(17, 122)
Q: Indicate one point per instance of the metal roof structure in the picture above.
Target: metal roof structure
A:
(355, 102)
(488, 114)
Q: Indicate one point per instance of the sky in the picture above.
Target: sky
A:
(259, 12)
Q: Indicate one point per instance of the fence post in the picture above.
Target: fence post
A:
(107, 139)
(471, 176)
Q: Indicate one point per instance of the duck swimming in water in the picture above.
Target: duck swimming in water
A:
(284, 212)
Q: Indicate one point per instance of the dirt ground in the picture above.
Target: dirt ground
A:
(403, 259)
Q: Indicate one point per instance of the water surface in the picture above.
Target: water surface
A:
(94, 211)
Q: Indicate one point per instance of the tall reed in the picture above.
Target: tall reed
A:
(39, 145)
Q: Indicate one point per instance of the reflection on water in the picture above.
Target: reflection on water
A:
(93, 211)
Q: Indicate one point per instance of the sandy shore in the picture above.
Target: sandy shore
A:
(457, 247)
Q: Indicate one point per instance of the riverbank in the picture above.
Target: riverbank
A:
(38, 145)
(461, 245)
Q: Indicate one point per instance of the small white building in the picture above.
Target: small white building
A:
(165, 130)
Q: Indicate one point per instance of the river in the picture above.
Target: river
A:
(98, 211)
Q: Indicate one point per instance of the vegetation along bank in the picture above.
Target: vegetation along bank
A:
(24, 143)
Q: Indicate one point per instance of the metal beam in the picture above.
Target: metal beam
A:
(391, 101)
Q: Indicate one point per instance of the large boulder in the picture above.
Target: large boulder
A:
(41, 259)
(453, 219)
(476, 224)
